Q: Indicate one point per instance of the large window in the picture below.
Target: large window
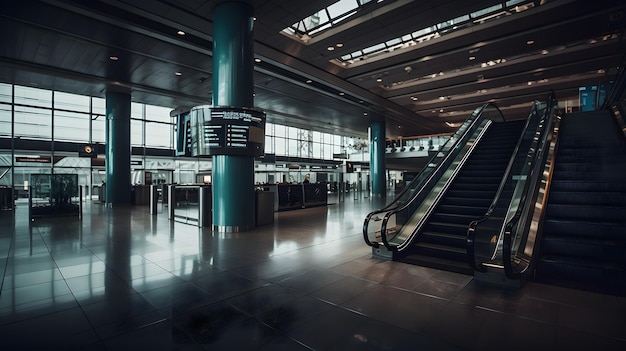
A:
(295, 142)
(50, 115)
(33, 122)
(71, 126)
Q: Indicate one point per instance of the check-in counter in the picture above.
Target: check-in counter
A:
(315, 194)
(297, 196)
(140, 195)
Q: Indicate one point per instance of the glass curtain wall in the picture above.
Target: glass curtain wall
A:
(33, 116)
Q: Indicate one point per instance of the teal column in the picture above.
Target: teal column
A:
(233, 55)
(377, 159)
(117, 161)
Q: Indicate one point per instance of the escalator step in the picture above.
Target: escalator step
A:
(479, 178)
(465, 201)
(473, 186)
(460, 209)
(456, 218)
(444, 239)
(471, 194)
(442, 251)
(448, 228)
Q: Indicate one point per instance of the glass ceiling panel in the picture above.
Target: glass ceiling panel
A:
(343, 6)
(437, 30)
(486, 11)
(326, 18)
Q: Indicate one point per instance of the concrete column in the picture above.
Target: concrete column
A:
(117, 159)
(377, 159)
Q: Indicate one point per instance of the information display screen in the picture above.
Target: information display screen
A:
(227, 131)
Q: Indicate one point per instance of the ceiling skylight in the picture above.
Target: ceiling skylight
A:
(339, 11)
(435, 31)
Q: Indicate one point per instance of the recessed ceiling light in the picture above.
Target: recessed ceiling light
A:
(308, 81)
(342, 93)
(364, 113)
(330, 48)
(339, 45)
(544, 52)
(180, 32)
(530, 42)
(414, 98)
(379, 80)
(113, 58)
(179, 73)
(257, 60)
(472, 58)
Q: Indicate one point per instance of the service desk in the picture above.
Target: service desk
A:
(297, 196)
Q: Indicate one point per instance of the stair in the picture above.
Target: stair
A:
(583, 235)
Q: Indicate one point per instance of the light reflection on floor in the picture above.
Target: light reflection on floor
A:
(121, 279)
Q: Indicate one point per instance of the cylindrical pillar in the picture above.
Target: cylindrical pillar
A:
(233, 193)
(377, 158)
(117, 160)
(233, 54)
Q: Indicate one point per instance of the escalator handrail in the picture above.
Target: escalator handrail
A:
(439, 169)
(471, 231)
(420, 179)
(538, 162)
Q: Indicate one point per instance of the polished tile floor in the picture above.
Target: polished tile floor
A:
(123, 279)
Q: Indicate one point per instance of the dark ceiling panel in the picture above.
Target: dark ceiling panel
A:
(66, 44)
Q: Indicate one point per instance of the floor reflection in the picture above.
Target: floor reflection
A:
(122, 278)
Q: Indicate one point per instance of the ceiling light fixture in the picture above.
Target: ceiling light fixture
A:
(113, 58)
(330, 48)
(180, 32)
(308, 81)
(472, 58)
(178, 73)
(530, 42)
(339, 45)
(379, 80)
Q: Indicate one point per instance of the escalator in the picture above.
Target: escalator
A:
(583, 232)
(441, 242)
